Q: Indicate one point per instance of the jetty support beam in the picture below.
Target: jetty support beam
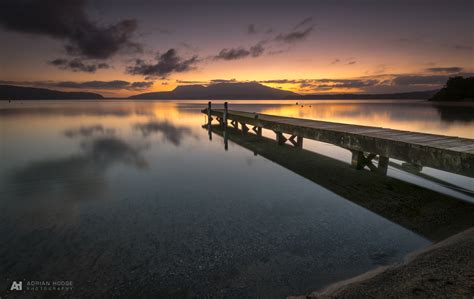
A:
(280, 138)
(360, 160)
(235, 124)
(245, 129)
(225, 116)
(298, 142)
(257, 130)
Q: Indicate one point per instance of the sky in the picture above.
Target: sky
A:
(120, 48)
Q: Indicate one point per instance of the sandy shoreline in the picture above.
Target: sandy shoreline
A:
(444, 269)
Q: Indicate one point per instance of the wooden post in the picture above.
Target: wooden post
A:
(257, 130)
(358, 159)
(280, 138)
(299, 141)
(209, 116)
(226, 142)
(245, 129)
(225, 115)
(383, 165)
(235, 124)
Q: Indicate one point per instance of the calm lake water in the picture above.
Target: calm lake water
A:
(132, 198)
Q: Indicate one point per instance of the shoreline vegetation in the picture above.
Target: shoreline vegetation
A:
(456, 89)
(444, 269)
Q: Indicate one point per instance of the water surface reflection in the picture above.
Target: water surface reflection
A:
(88, 194)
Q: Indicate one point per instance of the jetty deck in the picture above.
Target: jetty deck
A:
(452, 154)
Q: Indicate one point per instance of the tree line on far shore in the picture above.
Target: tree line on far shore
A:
(456, 89)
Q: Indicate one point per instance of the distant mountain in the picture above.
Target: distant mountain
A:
(250, 90)
(10, 92)
(253, 90)
(230, 91)
(456, 89)
(416, 95)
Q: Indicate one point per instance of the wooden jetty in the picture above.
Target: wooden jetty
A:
(426, 212)
(452, 154)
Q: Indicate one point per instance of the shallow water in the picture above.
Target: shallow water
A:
(131, 197)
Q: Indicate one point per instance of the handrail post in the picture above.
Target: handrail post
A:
(225, 115)
(209, 116)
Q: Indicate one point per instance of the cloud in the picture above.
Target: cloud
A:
(215, 81)
(166, 64)
(326, 84)
(450, 70)
(171, 133)
(191, 82)
(88, 131)
(141, 85)
(68, 21)
(107, 85)
(78, 65)
(419, 80)
(337, 60)
(232, 54)
(70, 175)
(294, 36)
(282, 81)
(463, 47)
(304, 23)
(351, 62)
(110, 85)
(339, 83)
(239, 53)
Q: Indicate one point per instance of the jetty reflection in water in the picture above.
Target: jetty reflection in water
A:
(95, 188)
(426, 212)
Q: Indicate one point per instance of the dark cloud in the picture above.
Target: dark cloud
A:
(46, 178)
(450, 70)
(110, 85)
(420, 80)
(215, 81)
(78, 65)
(326, 84)
(67, 20)
(281, 81)
(166, 64)
(351, 62)
(339, 83)
(304, 23)
(191, 82)
(140, 85)
(337, 60)
(251, 29)
(463, 47)
(171, 133)
(239, 53)
(232, 54)
(294, 36)
(343, 83)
